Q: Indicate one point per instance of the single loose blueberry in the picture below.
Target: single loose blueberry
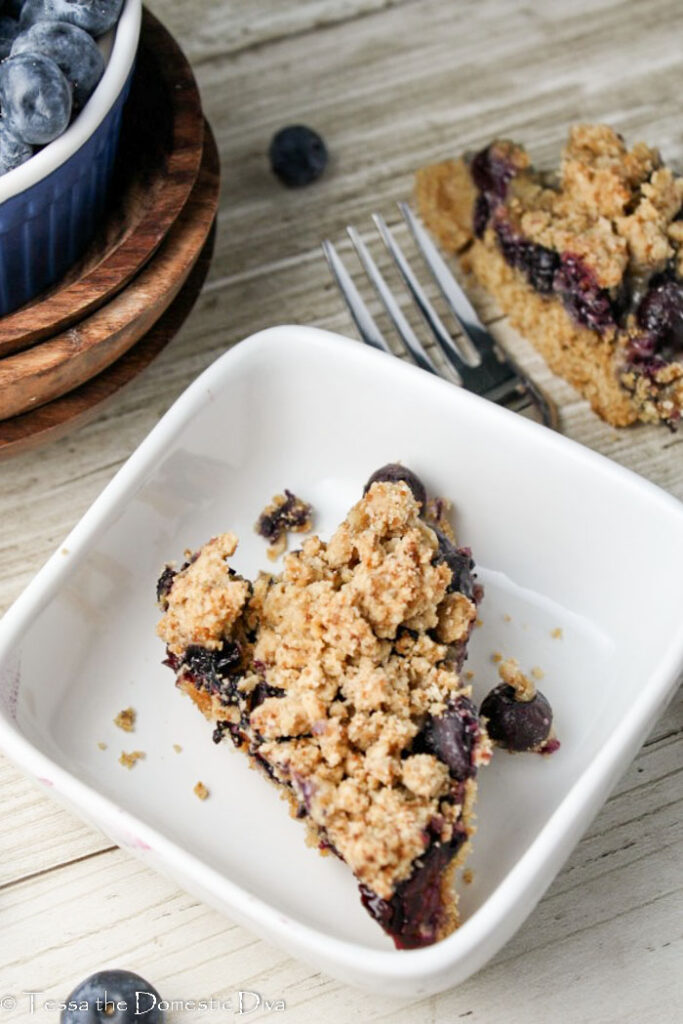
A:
(516, 724)
(35, 97)
(93, 16)
(72, 49)
(113, 997)
(13, 151)
(9, 30)
(297, 155)
(394, 473)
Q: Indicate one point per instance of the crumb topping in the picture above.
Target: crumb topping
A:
(126, 720)
(201, 791)
(205, 599)
(130, 760)
(510, 672)
(351, 658)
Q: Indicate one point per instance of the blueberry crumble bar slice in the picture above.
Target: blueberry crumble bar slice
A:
(588, 263)
(339, 677)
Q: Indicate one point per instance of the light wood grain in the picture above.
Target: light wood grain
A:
(391, 85)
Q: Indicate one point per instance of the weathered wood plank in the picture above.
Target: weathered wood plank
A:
(211, 31)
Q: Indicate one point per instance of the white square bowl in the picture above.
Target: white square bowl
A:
(563, 539)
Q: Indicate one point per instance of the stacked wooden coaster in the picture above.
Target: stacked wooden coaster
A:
(64, 354)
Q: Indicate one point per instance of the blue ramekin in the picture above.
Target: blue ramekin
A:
(51, 206)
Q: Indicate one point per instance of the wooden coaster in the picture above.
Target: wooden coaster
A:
(35, 429)
(159, 156)
(52, 368)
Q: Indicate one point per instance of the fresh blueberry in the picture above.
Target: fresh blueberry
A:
(74, 51)
(297, 155)
(94, 16)
(113, 997)
(13, 151)
(9, 29)
(516, 724)
(451, 737)
(394, 473)
(35, 97)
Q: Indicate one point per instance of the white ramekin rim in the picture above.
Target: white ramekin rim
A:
(94, 112)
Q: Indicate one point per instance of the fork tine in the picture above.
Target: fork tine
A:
(407, 334)
(458, 302)
(486, 352)
(429, 313)
(369, 331)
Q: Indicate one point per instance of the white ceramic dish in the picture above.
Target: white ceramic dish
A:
(564, 537)
(119, 48)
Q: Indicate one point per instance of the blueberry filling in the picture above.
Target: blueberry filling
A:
(215, 671)
(263, 690)
(164, 584)
(452, 737)
(415, 914)
(516, 724)
(394, 473)
(459, 561)
(589, 304)
(660, 312)
(536, 262)
(492, 172)
(292, 514)
(482, 213)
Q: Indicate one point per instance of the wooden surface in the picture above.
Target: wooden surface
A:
(60, 364)
(62, 416)
(157, 165)
(390, 85)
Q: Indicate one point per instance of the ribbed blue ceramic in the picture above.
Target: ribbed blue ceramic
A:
(48, 226)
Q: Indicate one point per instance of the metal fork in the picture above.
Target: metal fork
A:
(481, 366)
